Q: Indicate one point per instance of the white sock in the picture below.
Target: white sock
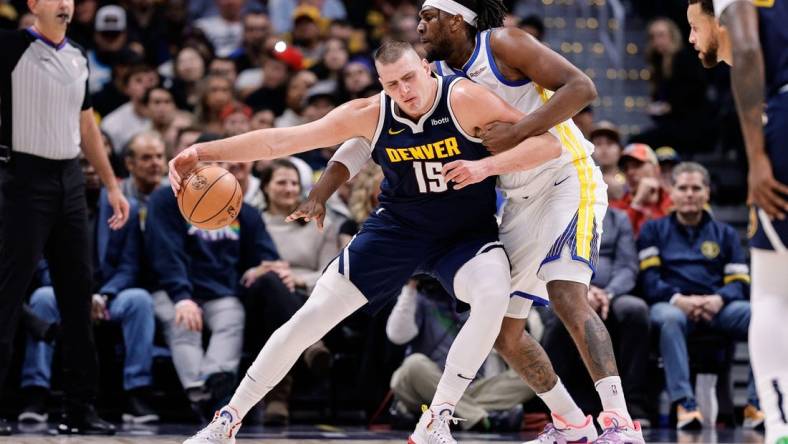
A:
(483, 282)
(560, 403)
(612, 395)
(333, 299)
(767, 339)
(450, 389)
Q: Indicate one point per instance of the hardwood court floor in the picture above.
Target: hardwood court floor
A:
(175, 434)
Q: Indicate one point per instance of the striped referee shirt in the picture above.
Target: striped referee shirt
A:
(43, 88)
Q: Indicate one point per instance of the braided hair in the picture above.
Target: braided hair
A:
(490, 13)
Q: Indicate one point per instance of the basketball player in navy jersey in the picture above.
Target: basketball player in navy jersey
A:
(421, 225)
(752, 37)
(552, 219)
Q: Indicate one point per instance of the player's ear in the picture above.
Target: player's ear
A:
(426, 66)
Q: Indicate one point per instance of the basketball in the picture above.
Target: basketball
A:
(210, 198)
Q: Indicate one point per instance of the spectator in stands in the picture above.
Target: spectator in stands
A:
(160, 107)
(679, 107)
(645, 198)
(424, 319)
(224, 30)
(186, 138)
(356, 76)
(320, 100)
(111, 95)
(146, 162)
(625, 316)
(607, 153)
(115, 299)
(282, 12)
(189, 69)
(305, 248)
(256, 31)
(147, 25)
(262, 119)
(216, 93)
(668, 158)
(695, 277)
(277, 69)
(110, 40)
(334, 58)
(131, 118)
(236, 119)
(182, 120)
(198, 273)
(306, 33)
(363, 199)
(297, 87)
(224, 67)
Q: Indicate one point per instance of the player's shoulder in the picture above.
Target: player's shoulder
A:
(510, 40)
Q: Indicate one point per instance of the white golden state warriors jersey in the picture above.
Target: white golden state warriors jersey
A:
(526, 96)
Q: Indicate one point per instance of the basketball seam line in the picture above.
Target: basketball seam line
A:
(204, 193)
(235, 190)
(179, 197)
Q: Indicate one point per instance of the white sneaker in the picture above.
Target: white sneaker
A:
(433, 427)
(562, 432)
(616, 429)
(221, 430)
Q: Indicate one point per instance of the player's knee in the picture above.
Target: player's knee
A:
(484, 282)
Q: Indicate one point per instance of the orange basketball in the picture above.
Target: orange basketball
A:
(211, 198)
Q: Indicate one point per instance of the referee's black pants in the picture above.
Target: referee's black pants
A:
(43, 211)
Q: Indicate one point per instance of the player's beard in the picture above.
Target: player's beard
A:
(438, 49)
(709, 57)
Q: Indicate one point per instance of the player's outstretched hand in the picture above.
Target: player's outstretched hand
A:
(765, 191)
(308, 210)
(180, 167)
(465, 172)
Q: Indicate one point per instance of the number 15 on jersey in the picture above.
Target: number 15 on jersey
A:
(429, 177)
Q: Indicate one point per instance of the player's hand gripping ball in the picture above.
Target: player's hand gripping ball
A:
(210, 198)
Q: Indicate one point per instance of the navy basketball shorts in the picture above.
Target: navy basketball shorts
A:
(381, 258)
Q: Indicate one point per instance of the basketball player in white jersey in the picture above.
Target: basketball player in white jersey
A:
(553, 217)
(751, 37)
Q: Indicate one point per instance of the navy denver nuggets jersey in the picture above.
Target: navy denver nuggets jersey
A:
(412, 156)
(772, 19)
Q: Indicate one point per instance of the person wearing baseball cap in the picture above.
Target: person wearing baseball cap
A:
(646, 198)
(607, 152)
(668, 158)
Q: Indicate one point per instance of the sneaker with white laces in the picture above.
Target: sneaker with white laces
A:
(433, 427)
(221, 430)
(561, 432)
(616, 429)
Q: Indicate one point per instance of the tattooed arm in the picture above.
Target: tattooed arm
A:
(748, 85)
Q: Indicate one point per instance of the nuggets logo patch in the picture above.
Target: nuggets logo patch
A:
(199, 182)
(710, 249)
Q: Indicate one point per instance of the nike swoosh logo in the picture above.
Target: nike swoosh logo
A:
(394, 133)
(561, 181)
(465, 377)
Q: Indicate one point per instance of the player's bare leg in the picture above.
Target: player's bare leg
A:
(524, 354)
(570, 302)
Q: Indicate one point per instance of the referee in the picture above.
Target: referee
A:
(45, 116)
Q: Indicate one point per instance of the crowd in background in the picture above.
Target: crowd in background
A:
(167, 73)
